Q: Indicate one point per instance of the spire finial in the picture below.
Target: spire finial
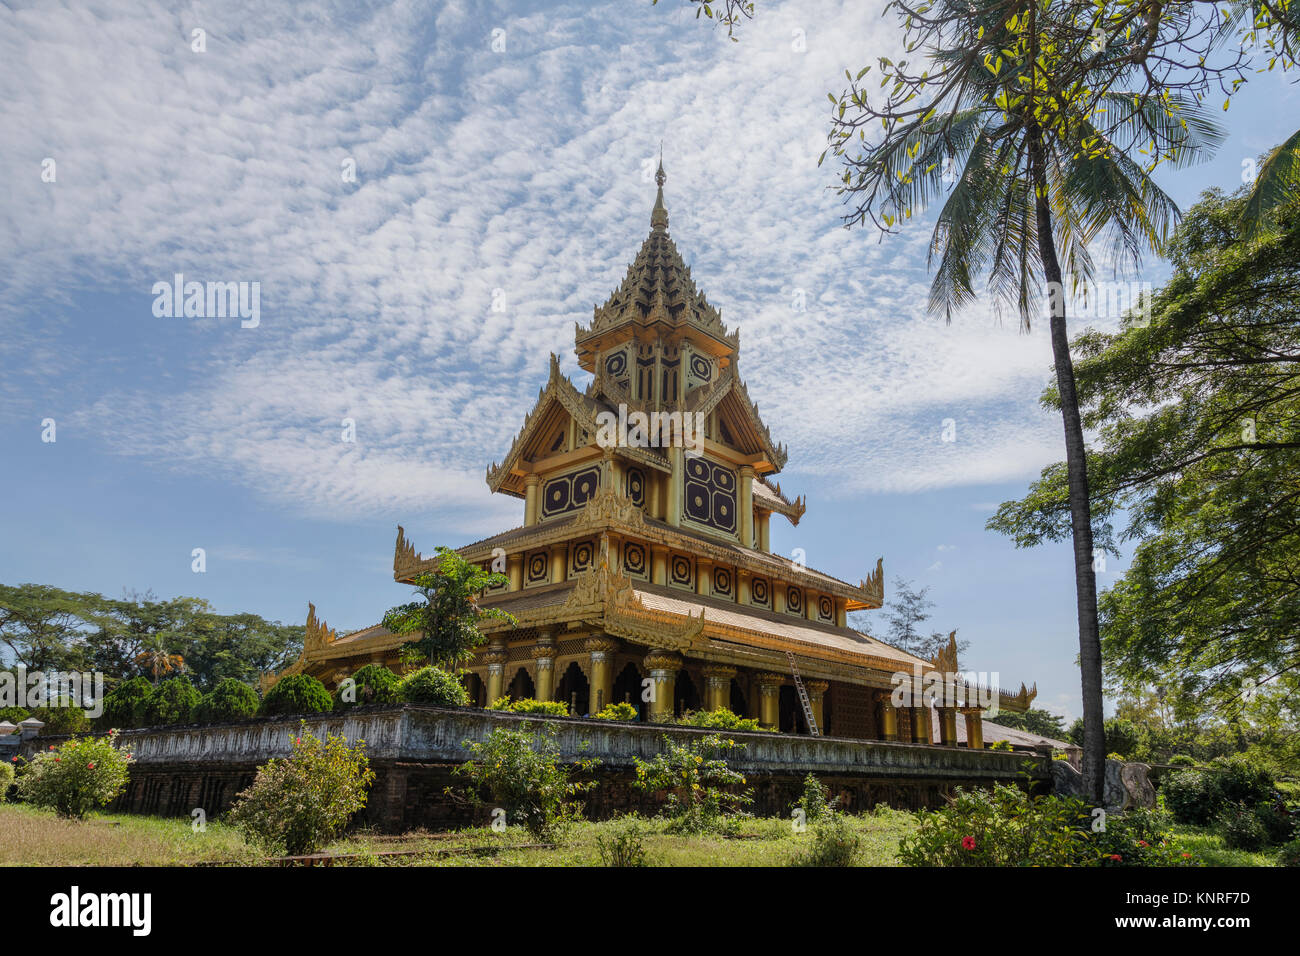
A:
(659, 215)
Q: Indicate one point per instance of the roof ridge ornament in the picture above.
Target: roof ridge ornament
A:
(659, 215)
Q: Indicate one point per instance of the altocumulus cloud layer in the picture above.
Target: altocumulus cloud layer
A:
(522, 172)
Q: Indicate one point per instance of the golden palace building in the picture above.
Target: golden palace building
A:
(643, 567)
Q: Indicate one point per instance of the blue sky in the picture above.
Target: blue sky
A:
(502, 149)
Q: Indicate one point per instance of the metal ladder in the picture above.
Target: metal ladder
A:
(803, 696)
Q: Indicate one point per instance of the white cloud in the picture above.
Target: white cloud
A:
(520, 171)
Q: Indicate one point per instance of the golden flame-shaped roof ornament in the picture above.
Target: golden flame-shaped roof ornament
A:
(659, 215)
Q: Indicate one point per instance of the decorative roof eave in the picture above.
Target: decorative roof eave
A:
(776, 453)
(794, 510)
(557, 389)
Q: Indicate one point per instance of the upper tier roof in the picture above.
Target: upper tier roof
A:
(657, 291)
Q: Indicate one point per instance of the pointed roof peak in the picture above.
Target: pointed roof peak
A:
(659, 215)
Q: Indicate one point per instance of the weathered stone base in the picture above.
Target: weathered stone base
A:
(413, 751)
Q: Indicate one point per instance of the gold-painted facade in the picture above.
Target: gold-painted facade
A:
(643, 569)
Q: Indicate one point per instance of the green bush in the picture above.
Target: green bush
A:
(1278, 826)
(433, 685)
(834, 844)
(620, 711)
(300, 803)
(1240, 780)
(1008, 827)
(720, 719)
(77, 776)
(551, 708)
(621, 843)
(815, 803)
(372, 685)
(1198, 797)
(1001, 745)
(15, 715)
(1182, 760)
(699, 785)
(1241, 828)
(230, 700)
(528, 782)
(124, 705)
(172, 702)
(1289, 855)
(6, 780)
(62, 719)
(297, 694)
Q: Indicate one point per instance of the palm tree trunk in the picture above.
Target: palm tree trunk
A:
(1076, 464)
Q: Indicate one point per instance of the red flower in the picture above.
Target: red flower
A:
(1187, 856)
(15, 760)
(56, 759)
(1142, 842)
(51, 746)
(91, 765)
(968, 843)
(1116, 857)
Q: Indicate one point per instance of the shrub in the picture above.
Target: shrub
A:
(15, 715)
(1278, 825)
(1001, 745)
(124, 705)
(815, 802)
(529, 783)
(62, 719)
(301, 802)
(172, 702)
(621, 843)
(230, 700)
(552, 708)
(77, 777)
(1198, 797)
(1240, 780)
(696, 779)
(297, 694)
(620, 711)
(1140, 837)
(6, 780)
(1182, 760)
(371, 685)
(432, 685)
(1241, 829)
(834, 844)
(720, 719)
(1289, 855)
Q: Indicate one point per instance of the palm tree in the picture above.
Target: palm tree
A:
(156, 659)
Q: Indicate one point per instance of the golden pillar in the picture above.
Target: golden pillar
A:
(948, 726)
(888, 719)
(921, 732)
(515, 572)
(974, 727)
(765, 531)
(817, 696)
(530, 499)
(659, 564)
(742, 586)
(544, 663)
(769, 694)
(602, 650)
(810, 605)
(676, 459)
(495, 657)
(746, 505)
(703, 576)
(559, 563)
(717, 694)
(778, 597)
(663, 667)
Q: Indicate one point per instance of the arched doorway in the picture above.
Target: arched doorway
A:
(521, 686)
(737, 703)
(474, 688)
(574, 691)
(627, 688)
(685, 695)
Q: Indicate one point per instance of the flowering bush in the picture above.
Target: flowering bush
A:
(720, 719)
(620, 711)
(527, 781)
(301, 802)
(1008, 827)
(527, 705)
(433, 685)
(698, 783)
(6, 779)
(77, 776)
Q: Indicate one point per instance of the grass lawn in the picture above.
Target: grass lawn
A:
(34, 837)
(38, 837)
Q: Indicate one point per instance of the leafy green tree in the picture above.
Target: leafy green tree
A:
(1023, 123)
(906, 612)
(174, 701)
(43, 628)
(1198, 449)
(229, 700)
(125, 705)
(443, 624)
(1034, 721)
